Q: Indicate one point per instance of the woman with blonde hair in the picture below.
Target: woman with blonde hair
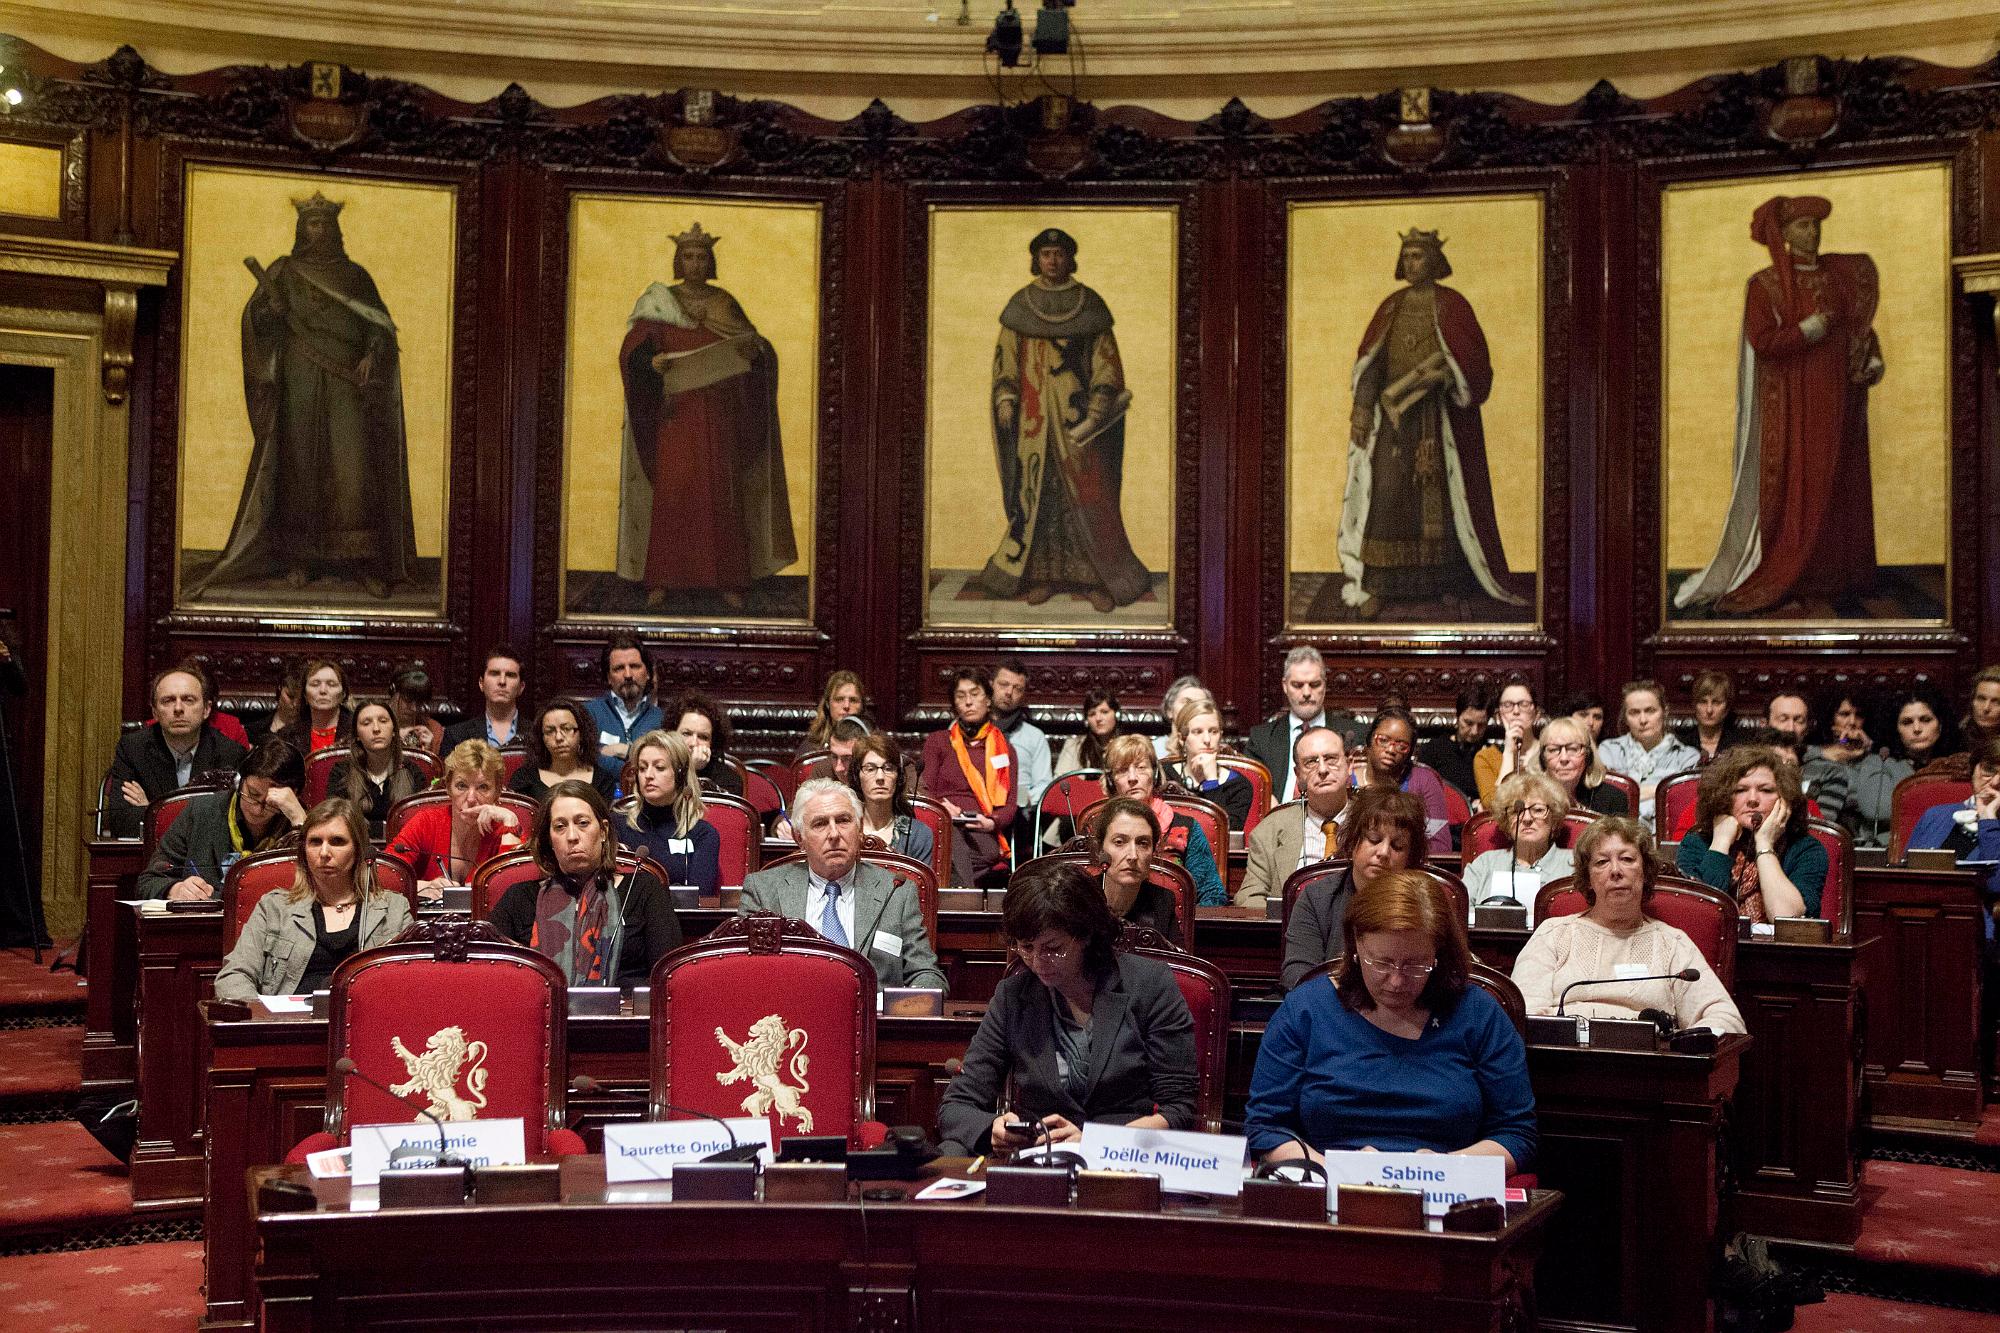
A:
(843, 696)
(1131, 770)
(668, 821)
(335, 908)
(1528, 809)
(444, 843)
(1567, 753)
(1197, 763)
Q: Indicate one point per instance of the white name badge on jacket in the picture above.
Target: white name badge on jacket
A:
(650, 1149)
(409, 1145)
(1444, 1179)
(1183, 1160)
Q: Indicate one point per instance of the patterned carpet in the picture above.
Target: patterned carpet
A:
(126, 1287)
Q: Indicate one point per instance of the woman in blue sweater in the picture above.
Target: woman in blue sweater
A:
(1398, 1051)
(668, 822)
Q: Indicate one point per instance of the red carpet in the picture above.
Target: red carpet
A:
(1865, 1314)
(58, 1176)
(1932, 1217)
(40, 1062)
(129, 1288)
(25, 985)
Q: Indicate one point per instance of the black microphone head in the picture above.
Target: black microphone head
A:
(1690, 974)
(345, 1065)
(1660, 1018)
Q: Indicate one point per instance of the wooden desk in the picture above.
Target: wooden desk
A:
(1923, 995)
(177, 956)
(110, 1021)
(587, 1263)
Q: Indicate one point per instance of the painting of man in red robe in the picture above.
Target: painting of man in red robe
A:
(703, 508)
(1801, 517)
(1417, 525)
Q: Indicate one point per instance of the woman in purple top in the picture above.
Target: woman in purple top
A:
(1389, 762)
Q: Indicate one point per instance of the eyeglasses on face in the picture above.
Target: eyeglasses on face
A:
(1538, 810)
(559, 729)
(1054, 953)
(876, 771)
(1414, 971)
(1314, 763)
(1562, 748)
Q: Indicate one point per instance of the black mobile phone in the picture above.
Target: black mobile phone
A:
(1028, 1127)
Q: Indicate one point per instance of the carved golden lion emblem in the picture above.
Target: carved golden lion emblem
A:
(763, 1062)
(435, 1073)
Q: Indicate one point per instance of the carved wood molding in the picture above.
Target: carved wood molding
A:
(120, 270)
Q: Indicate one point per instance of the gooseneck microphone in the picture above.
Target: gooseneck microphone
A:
(346, 1065)
(1685, 974)
(735, 1152)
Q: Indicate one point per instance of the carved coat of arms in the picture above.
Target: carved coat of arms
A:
(771, 1053)
(435, 1073)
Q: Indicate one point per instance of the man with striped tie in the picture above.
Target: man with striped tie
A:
(1303, 832)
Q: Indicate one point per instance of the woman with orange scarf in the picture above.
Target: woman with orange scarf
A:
(969, 768)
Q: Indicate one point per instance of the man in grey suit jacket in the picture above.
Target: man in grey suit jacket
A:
(1294, 835)
(853, 904)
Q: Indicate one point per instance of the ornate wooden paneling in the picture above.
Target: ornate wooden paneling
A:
(1599, 162)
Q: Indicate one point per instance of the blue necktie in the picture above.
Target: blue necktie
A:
(829, 920)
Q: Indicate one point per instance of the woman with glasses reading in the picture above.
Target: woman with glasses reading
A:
(1080, 1033)
(875, 771)
(1383, 831)
(1615, 938)
(1398, 1051)
(1528, 809)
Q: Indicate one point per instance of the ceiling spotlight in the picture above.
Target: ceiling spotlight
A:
(1052, 28)
(1005, 39)
(10, 92)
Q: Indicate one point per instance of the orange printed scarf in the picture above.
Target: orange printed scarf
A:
(991, 789)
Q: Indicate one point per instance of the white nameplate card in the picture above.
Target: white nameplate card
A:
(650, 1149)
(1445, 1179)
(411, 1145)
(1183, 1160)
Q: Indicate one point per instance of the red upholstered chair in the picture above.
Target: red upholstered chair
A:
(931, 813)
(802, 764)
(1296, 882)
(1836, 899)
(1913, 796)
(902, 869)
(762, 790)
(495, 875)
(523, 806)
(396, 875)
(741, 830)
(511, 759)
(1619, 782)
(1456, 808)
(450, 987)
(1674, 801)
(1260, 786)
(399, 813)
(248, 881)
(1211, 820)
(161, 814)
(425, 762)
(1167, 874)
(319, 768)
(1482, 832)
(1707, 916)
(766, 988)
(1205, 987)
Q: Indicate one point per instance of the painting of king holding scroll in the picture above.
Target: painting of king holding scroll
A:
(700, 415)
(1416, 535)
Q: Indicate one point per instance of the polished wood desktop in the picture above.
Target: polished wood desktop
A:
(590, 1263)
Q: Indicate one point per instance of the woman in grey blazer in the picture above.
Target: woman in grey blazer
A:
(1082, 1033)
(335, 908)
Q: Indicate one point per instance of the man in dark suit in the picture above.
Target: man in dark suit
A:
(860, 906)
(179, 747)
(499, 722)
(1271, 742)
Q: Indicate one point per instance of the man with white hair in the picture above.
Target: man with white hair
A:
(1271, 742)
(851, 903)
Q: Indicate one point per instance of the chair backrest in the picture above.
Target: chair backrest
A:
(779, 774)
(1707, 916)
(511, 759)
(742, 833)
(1456, 808)
(1491, 980)
(1164, 873)
(1210, 819)
(1836, 897)
(260, 872)
(802, 766)
(761, 788)
(1674, 801)
(1069, 793)
(1914, 795)
(1205, 987)
(161, 814)
(1260, 786)
(399, 813)
(902, 869)
(1298, 880)
(760, 993)
(398, 876)
(524, 807)
(425, 762)
(319, 768)
(931, 813)
(1628, 787)
(495, 875)
(453, 1000)
(1482, 832)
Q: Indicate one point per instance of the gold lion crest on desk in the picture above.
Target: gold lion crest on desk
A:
(435, 1073)
(762, 1062)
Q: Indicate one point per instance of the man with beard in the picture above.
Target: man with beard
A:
(625, 711)
(328, 490)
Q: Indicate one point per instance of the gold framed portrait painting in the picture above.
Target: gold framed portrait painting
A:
(1049, 418)
(315, 387)
(1414, 416)
(690, 417)
(1806, 397)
